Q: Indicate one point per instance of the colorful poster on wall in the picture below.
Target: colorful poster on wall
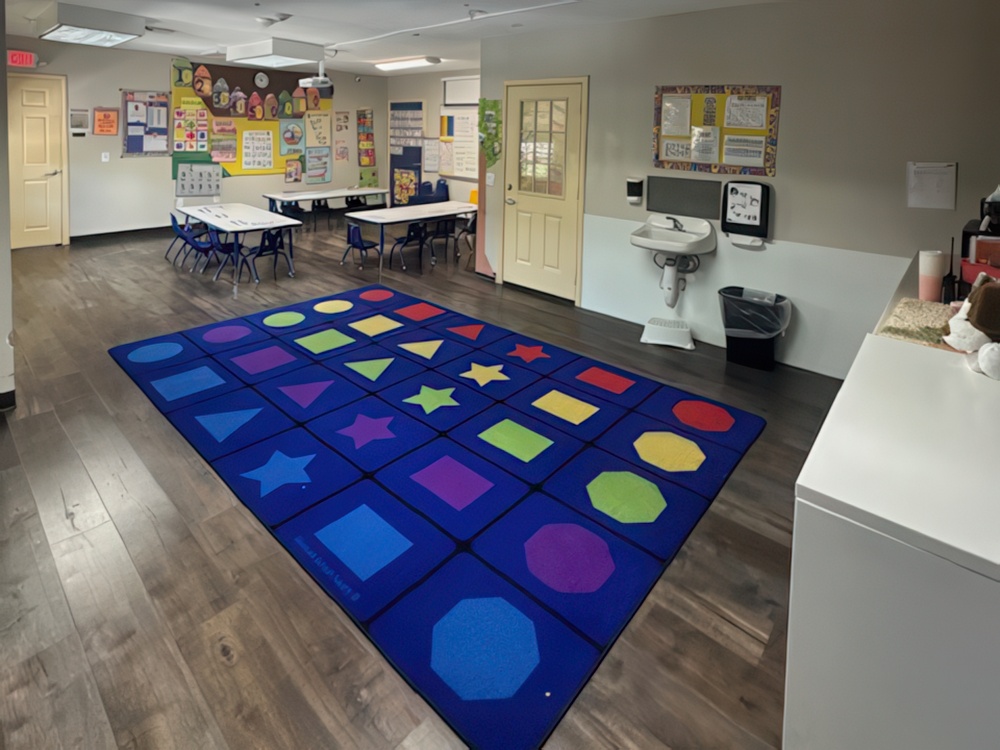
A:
(146, 123)
(293, 170)
(719, 129)
(366, 138)
(292, 137)
(105, 121)
(368, 177)
(491, 127)
(201, 94)
(318, 167)
(405, 183)
(343, 121)
(258, 150)
(341, 152)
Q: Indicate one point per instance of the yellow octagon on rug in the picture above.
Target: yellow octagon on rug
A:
(669, 451)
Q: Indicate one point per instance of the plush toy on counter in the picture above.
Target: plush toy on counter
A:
(975, 328)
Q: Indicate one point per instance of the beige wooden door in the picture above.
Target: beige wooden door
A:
(543, 189)
(36, 127)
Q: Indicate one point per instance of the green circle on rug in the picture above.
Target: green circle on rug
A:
(283, 319)
(333, 306)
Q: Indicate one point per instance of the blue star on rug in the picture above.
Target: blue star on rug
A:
(279, 471)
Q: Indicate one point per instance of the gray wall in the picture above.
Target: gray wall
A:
(867, 85)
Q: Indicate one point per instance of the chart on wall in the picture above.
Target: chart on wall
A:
(723, 129)
(459, 142)
(145, 116)
(249, 121)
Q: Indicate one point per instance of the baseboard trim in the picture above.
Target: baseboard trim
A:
(7, 401)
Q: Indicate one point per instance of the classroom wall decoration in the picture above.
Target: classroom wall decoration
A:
(723, 129)
(366, 137)
(406, 146)
(460, 138)
(220, 116)
(145, 115)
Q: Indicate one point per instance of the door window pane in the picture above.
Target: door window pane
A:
(542, 147)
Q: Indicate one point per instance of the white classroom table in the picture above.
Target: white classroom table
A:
(237, 219)
(422, 212)
(275, 200)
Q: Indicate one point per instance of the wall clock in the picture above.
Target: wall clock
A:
(261, 80)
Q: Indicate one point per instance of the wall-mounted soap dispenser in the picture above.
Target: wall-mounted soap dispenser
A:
(633, 190)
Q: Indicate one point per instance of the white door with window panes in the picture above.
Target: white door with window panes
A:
(543, 189)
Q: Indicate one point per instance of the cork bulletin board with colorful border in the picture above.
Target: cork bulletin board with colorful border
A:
(723, 129)
(250, 121)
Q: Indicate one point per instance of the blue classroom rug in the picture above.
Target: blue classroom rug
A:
(490, 510)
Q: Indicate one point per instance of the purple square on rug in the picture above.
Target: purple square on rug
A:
(456, 484)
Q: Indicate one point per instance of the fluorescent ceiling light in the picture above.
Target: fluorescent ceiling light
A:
(275, 53)
(75, 24)
(416, 62)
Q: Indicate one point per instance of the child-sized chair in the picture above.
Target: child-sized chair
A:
(356, 242)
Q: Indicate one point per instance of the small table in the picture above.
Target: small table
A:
(422, 213)
(237, 219)
(275, 200)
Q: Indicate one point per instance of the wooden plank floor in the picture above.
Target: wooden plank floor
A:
(141, 606)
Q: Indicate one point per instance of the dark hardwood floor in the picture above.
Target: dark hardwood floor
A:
(141, 606)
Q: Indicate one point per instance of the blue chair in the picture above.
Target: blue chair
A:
(181, 241)
(444, 229)
(272, 245)
(356, 242)
(467, 233)
(415, 233)
(441, 190)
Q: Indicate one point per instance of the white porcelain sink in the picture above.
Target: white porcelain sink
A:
(678, 235)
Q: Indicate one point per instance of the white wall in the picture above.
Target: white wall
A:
(866, 87)
(429, 89)
(137, 192)
(6, 291)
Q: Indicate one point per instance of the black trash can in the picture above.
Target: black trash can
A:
(753, 320)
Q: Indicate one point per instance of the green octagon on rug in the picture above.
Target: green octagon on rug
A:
(626, 497)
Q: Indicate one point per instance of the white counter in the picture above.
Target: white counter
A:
(894, 614)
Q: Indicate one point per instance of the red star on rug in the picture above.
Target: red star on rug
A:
(528, 353)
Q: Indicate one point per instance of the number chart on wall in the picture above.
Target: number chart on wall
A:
(724, 129)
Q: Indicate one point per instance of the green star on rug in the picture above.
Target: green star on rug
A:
(484, 374)
(430, 399)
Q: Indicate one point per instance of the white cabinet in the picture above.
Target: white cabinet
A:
(894, 615)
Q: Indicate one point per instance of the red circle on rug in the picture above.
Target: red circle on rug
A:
(702, 416)
(376, 295)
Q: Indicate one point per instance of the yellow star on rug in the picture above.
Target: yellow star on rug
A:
(484, 374)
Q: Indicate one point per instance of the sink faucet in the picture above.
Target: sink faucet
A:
(677, 225)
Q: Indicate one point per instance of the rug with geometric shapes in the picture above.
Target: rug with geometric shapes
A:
(490, 509)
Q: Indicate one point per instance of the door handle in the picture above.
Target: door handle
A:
(52, 174)
(511, 201)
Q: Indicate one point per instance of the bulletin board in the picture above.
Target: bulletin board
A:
(406, 143)
(724, 129)
(250, 121)
(459, 142)
(145, 114)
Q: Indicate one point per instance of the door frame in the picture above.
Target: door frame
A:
(584, 82)
(64, 161)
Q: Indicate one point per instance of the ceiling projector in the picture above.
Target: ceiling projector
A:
(316, 82)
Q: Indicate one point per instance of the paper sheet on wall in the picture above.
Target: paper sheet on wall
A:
(746, 112)
(675, 118)
(745, 150)
(930, 185)
(705, 145)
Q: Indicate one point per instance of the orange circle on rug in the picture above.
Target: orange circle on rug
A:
(702, 416)
(376, 295)
(333, 306)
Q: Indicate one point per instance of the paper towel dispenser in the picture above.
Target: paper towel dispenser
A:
(746, 209)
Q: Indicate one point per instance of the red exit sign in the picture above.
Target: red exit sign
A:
(17, 58)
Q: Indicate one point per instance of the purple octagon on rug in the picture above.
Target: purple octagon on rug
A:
(569, 558)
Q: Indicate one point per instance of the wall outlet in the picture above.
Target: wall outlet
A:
(105, 156)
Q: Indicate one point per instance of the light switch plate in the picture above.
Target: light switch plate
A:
(491, 179)
(105, 156)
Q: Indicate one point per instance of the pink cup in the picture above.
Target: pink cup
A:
(929, 288)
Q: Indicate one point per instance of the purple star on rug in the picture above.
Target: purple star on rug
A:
(365, 429)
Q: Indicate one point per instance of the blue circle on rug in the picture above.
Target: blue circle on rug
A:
(155, 352)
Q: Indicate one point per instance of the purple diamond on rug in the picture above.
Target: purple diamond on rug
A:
(455, 483)
(226, 334)
(263, 359)
(365, 429)
(569, 558)
(305, 393)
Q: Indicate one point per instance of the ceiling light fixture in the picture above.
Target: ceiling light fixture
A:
(275, 53)
(415, 62)
(74, 24)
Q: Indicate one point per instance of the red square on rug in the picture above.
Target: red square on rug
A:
(605, 380)
(420, 311)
